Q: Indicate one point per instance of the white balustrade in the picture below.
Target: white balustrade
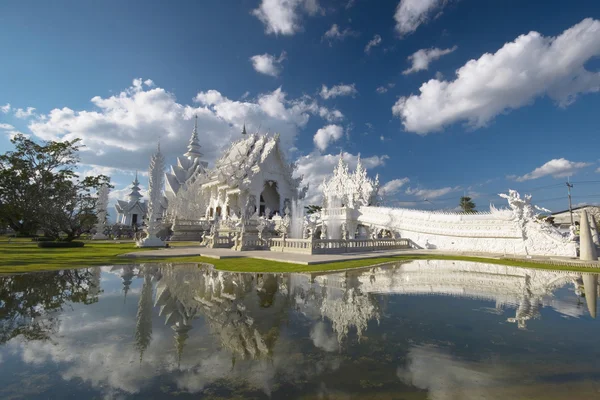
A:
(333, 246)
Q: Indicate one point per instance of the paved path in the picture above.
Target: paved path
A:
(303, 259)
(307, 259)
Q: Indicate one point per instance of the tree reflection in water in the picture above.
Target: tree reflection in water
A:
(268, 330)
(28, 302)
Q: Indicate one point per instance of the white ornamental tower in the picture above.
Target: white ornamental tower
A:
(156, 182)
(101, 212)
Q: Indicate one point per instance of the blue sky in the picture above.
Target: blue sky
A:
(499, 110)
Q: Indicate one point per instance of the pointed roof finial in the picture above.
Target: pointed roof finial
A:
(244, 129)
(135, 194)
(194, 145)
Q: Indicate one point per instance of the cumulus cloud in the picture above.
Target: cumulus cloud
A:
(376, 41)
(558, 168)
(430, 194)
(315, 167)
(410, 14)
(322, 339)
(439, 373)
(394, 186)
(284, 17)
(420, 59)
(121, 131)
(384, 89)
(24, 113)
(334, 33)
(268, 64)
(326, 135)
(338, 90)
(6, 126)
(5, 108)
(529, 67)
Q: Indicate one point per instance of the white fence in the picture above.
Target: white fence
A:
(333, 246)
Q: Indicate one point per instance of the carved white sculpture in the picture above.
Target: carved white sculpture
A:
(156, 181)
(187, 168)
(101, 212)
(354, 189)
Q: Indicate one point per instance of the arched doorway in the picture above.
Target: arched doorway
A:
(269, 199)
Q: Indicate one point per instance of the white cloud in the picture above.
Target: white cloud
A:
(430, 194)
(412, 13)
(393, 186)
(334, 33)
(5, 108)
(376, 41)
(284, 16)
(326, 135)
(268, 64)
(421, 58)
(529, 67)
(598, 170)
(322, 339)
(121, 131)
(338, 90)
(384, 89)
(149, 83)
(315, 167)
(558, 168)
(21, 113)
(6, 126)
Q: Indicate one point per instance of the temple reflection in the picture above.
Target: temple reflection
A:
(245, 312)
(193, 326)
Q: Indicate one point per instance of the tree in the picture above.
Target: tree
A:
(466, 204)
(39, 189)
(311, 209)
(71, 207)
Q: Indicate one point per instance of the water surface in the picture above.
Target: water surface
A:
(417, 330)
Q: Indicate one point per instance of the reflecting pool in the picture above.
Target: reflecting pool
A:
(417, 330)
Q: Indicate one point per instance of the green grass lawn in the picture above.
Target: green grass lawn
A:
(23, 255)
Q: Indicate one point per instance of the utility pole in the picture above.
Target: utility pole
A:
(569, 186)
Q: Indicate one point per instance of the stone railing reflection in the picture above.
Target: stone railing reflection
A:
(336, 246)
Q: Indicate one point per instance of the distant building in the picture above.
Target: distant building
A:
(132, 212)
(562, 219)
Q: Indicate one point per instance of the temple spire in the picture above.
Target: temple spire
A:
(194, 145)
(244, 130)
(135, 194)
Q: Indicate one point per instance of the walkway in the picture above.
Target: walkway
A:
(303, 259)
(307, 259)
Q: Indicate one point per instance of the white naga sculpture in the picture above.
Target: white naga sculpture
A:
(101, 212)
(156, 181)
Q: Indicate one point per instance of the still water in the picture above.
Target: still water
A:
(419, 330)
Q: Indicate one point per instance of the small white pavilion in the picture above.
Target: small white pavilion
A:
(133, 211)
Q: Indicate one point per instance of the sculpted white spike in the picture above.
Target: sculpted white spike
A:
(156, 180)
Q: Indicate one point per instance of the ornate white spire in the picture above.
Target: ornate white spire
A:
(135, 194)
(156, 181)
(194, 145)
(101, 212)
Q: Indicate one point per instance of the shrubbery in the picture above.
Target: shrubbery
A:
(61, 245)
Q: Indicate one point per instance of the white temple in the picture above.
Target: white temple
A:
(133, 211)
(250, 201)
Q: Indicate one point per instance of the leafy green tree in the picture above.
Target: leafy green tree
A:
(39, 189)
(466, 204)
(311, 209)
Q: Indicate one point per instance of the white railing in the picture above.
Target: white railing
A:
(334, 246)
